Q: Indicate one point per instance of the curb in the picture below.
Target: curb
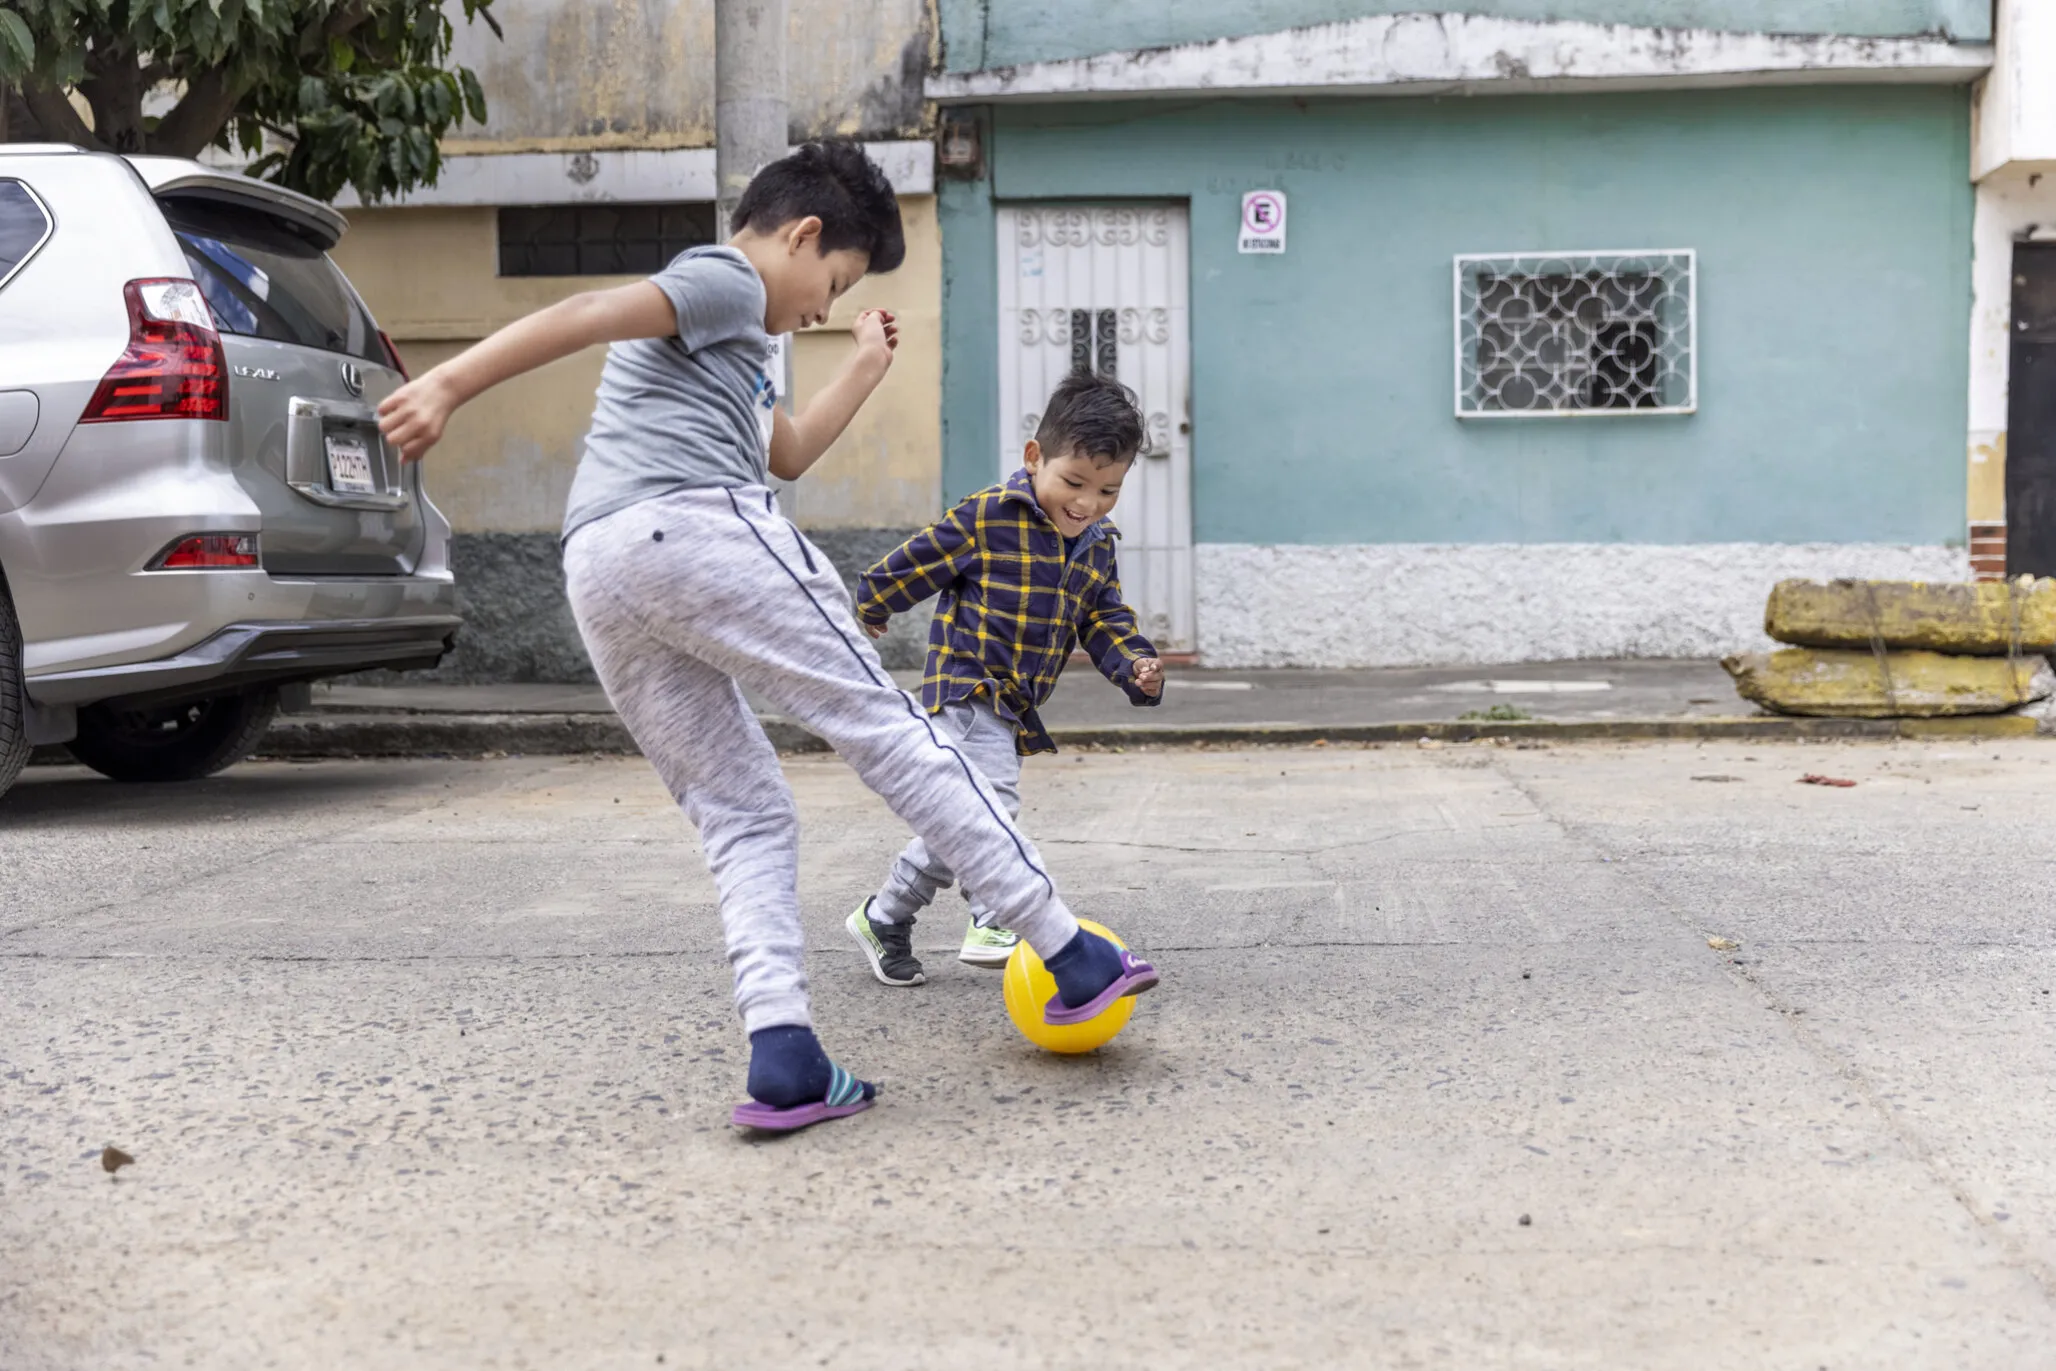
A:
(476, 735)
(480, 735)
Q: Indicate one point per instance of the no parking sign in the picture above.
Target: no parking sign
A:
(1263, 222)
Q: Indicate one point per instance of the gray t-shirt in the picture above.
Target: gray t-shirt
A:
(690, 410)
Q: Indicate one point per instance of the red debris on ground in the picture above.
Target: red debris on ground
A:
(1810, 778)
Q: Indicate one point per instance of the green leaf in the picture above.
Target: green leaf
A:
(474, 94)
(421, 154)
(312, 96)
(341, 55)
(16, 42)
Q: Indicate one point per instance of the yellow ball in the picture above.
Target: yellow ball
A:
(1029, 987)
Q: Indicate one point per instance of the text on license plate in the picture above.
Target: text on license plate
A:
(349, 464)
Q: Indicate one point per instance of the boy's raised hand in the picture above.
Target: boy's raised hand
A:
(876, 330)
(412, 417)
(1149, 676)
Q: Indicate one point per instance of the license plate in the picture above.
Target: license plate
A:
(349, 464)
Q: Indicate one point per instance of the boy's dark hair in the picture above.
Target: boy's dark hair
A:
(835, 181)
(1094, 415)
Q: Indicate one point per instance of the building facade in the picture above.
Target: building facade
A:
(597, 165)
(1582, 323)
(2013, 315)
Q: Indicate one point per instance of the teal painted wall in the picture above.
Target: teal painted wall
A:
(994, 33)
(1833, 232)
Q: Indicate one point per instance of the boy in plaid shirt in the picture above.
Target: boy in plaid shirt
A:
(1025, 571)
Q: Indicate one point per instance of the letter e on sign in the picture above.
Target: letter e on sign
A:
(1263, 222)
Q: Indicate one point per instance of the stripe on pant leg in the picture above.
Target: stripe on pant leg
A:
(919, 717)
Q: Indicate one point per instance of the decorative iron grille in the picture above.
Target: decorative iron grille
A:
(1577, 333)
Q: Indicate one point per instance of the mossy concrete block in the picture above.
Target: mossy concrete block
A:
(1982, 618)
(1892, 685)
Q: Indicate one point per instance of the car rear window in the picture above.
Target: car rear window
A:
(265, 281)
(23, 227)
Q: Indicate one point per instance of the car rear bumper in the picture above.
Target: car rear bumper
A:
(249, 654)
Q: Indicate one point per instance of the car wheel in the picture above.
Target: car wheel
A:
(173, 742)
(14, 721)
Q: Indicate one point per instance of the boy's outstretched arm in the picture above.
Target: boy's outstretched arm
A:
(413, 416)
(926, 564)
(1115, 643)
(798, 442)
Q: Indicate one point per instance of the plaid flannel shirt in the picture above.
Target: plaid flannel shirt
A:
(1012, 606)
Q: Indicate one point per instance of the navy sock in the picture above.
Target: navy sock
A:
(787, 1066)
(1085, 966)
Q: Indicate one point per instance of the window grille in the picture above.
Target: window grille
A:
(1577, 333)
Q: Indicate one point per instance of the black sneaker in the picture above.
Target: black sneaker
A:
(888, 947)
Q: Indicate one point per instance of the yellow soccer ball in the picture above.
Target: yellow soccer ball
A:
(1029, 987)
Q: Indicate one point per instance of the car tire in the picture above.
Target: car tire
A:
(14, 711)
(175, 742)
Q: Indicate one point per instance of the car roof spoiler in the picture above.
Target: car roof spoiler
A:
(178, 176)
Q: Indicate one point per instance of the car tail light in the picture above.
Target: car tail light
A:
(173, 368)
(394, 353)
(205, 551)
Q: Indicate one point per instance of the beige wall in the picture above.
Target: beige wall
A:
(505, 464)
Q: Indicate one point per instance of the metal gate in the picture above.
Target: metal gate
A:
(1103, 288)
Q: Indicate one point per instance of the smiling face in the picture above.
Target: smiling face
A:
(801, 282)
(1075, 489)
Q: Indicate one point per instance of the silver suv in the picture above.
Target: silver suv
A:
(196, 508)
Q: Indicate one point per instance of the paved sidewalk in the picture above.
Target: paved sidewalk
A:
(1561, 701)
(1549, 690)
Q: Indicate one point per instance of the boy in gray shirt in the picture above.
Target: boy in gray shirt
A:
(685, 581)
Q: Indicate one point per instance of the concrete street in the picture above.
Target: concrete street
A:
(426, 1064)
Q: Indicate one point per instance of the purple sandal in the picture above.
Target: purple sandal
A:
(846, 1096)
(1136, 976)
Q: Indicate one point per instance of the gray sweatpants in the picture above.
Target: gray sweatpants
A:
(917, 874)
(681, 597)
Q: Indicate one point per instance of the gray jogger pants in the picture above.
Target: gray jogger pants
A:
(917, 874)
(681, 597)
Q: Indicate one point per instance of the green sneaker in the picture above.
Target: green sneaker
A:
(987, 947)
(888, 947)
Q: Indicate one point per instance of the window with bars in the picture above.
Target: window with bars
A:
(600, 239)
(1576, 333)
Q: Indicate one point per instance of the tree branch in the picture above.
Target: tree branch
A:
(199, 117)
(345, 18)
(59, 120)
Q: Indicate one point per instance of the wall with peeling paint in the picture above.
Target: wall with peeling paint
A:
(1833, 231)
(640, 73)
(980, 34)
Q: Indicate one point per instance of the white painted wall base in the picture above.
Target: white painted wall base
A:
(1419, 604)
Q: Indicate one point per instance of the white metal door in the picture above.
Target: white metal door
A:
(1103, 287)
